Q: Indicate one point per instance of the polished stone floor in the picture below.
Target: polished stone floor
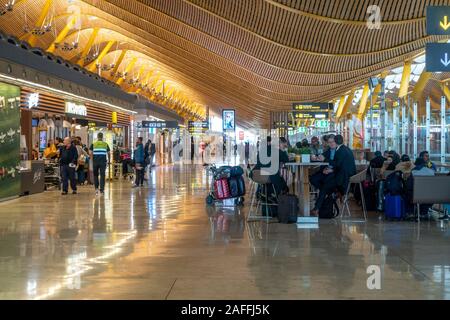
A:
(161, 242)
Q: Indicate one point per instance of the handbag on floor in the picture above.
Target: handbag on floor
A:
(288, 208)
(329, 209)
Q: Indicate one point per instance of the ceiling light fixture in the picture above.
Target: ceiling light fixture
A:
(9, 6)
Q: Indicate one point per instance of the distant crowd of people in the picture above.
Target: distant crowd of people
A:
(73, 157)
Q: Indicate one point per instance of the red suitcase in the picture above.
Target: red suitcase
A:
(226, 189)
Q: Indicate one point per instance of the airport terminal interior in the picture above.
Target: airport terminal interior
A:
(224, 150)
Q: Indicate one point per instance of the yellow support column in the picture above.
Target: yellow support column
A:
(92, 65)
(404, 84)
(363, 102)
(347, 104)
(340, 107)
(62, 35)
(147, 78)
(40, 21)
(420, 85)
(127, 69)
(141, 69)
(155, 82)
(119, 61)
(445, 90)
(88, 47)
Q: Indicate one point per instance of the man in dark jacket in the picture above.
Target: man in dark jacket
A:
(318, 178)
(68, 161)
(338, 173)
(139, 163)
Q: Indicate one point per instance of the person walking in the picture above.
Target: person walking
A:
(139, 163)
(100, 154)
(68, 162)
(82, 158)
(146, 157)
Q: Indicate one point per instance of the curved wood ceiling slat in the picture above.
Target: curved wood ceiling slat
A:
(252, 55)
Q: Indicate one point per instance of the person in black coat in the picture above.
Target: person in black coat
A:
(337, 174)
(68, 163)
(318, 178)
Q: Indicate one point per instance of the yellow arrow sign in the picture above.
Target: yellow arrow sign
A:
(445, 24)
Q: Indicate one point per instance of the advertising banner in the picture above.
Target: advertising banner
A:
(9, 140)
(229, 121)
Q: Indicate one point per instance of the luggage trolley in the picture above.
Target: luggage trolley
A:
(227, 185)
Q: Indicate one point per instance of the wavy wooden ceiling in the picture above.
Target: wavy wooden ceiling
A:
(261, 55)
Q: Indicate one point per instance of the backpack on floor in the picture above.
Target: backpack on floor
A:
(288, 208)
(329, 209)
(395, 184)
(234, 187)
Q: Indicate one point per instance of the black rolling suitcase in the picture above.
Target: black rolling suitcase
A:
(288, 208)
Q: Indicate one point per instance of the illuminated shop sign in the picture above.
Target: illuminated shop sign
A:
(33, 100)
(76, 109)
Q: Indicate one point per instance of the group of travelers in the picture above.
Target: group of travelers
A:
(392, 161)
(393, 167)
(331, 178)
(74, 157)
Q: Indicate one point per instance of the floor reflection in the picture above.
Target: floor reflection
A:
(161, 241)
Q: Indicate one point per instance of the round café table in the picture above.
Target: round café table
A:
(301, 181)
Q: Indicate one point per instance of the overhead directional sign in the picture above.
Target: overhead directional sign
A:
(437, 57)
(160, 124)
(311, 110)
(438, 20)
(198, 126)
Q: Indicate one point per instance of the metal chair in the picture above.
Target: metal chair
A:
(432, 190)
(358, 178)
(263, 181)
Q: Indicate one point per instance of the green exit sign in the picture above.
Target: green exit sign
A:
(321, 124)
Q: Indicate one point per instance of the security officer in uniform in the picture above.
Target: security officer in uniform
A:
(100, 154)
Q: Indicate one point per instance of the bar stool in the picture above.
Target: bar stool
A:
(252, 184)
(263, 182)
(358, 178)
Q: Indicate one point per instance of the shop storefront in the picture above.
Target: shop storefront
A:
(46, 117)
(30, 120)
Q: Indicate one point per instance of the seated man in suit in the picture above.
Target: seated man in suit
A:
(337, 174)
(318, 178)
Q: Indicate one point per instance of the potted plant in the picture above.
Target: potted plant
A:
(305, 154)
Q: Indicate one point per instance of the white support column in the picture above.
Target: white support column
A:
(415, 131)
(443, 127)
(427, 125)
(384, 130)
(383, 115)
(350, 133)
(396, 129)
(404, 129)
